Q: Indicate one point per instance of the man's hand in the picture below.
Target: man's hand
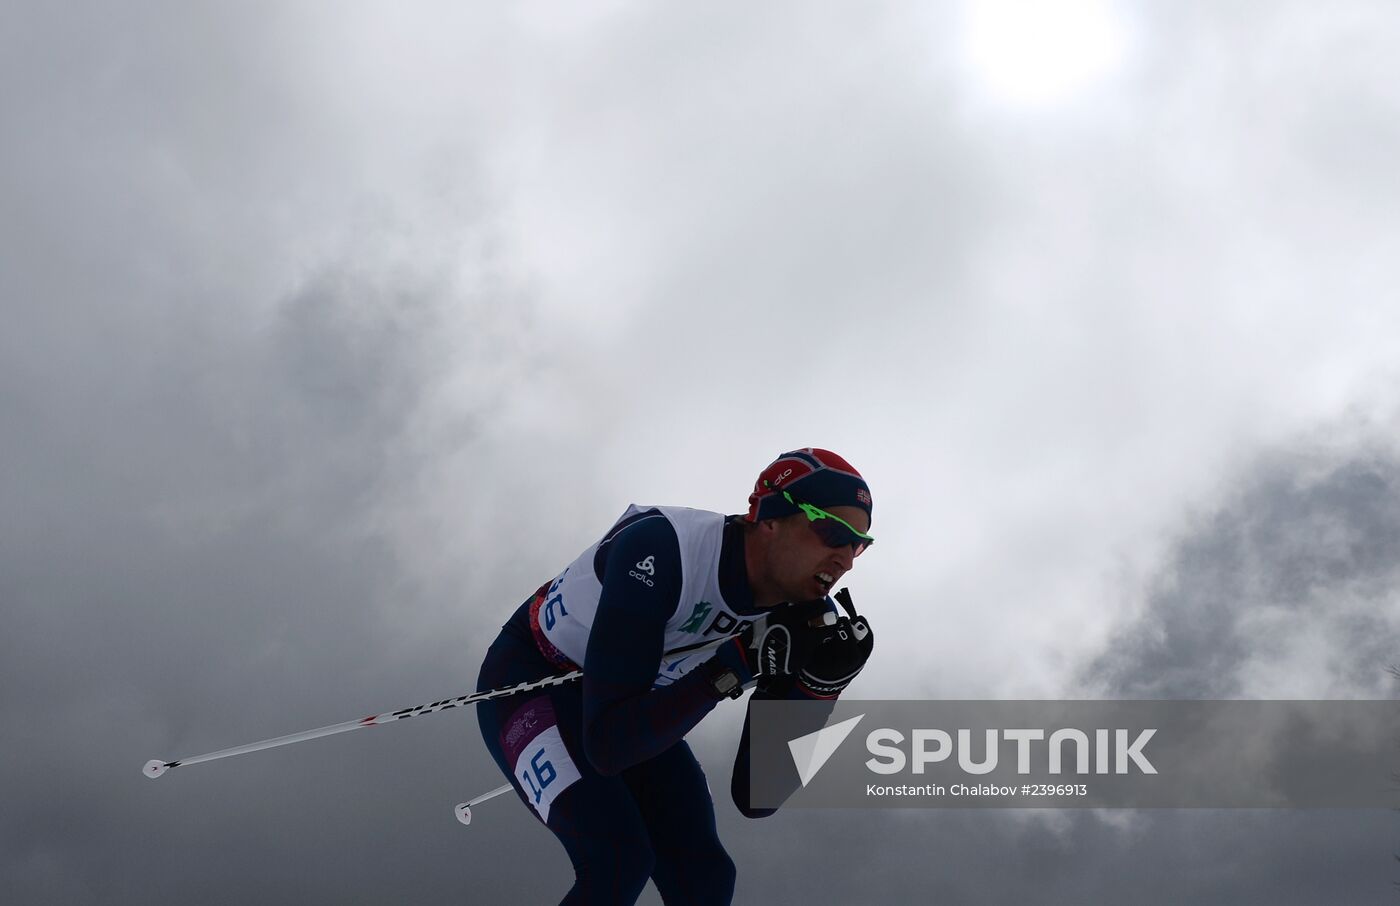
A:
(782, 644)
(840, 657)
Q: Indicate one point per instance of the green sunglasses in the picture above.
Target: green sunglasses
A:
(832, 529)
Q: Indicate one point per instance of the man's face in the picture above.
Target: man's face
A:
(798, 558)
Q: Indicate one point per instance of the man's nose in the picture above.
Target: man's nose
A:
(846, 556)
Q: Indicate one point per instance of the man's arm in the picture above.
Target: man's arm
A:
(826, 674)
(785, 688)
(625, 720)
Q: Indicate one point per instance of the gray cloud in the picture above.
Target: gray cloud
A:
(1308, 549)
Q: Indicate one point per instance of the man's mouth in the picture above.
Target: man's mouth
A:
(825, 580)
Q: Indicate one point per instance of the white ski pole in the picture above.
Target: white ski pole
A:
(464, 809)
(156, 767)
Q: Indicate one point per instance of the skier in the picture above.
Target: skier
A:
(602, 763)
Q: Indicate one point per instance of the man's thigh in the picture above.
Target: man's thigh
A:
(674, 801)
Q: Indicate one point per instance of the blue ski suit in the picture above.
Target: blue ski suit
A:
(602, 762)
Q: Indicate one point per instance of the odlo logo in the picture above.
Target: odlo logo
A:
(647, 566)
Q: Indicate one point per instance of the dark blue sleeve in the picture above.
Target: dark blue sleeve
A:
(625, 720)
(777, 689)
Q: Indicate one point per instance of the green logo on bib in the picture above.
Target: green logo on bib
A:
(697, 616)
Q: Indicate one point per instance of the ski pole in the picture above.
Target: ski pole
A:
(156, 767)
(464, 809)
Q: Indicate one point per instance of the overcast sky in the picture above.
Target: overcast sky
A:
(329, 331)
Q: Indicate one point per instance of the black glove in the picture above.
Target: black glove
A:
(840, 656)
(779, 645)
